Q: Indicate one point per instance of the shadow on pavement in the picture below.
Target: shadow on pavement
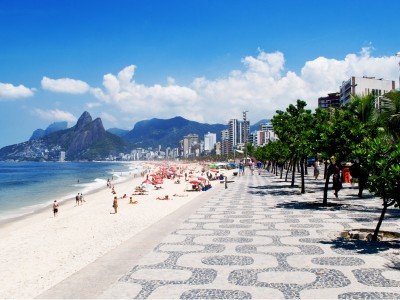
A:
(362, 247)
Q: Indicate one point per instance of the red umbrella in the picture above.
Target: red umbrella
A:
(147, 181)
(194, 181)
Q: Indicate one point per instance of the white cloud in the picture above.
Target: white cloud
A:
(93, 104)
(108, 117)
(54, 115)
(65, 85)
(262, 86)
(9, 91)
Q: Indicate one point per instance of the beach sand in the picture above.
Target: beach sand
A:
(39, 251)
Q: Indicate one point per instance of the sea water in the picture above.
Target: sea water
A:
(28, 186)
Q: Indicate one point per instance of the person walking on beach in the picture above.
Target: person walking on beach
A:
(77, 199)
(55, 208)
(115, 205)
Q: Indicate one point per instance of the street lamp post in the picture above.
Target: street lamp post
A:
(398, 55)
(245, 133)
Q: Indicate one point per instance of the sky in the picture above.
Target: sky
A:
(208, 61)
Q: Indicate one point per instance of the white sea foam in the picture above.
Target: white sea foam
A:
(84, 188)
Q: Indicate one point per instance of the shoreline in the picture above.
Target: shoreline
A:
(46, 207)
(40, 251)
(64, 199)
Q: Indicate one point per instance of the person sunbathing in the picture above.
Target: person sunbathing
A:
(124, 196)
(139, 193)
(166, 197)
(131, 201)
(180, 195)
(158, 187)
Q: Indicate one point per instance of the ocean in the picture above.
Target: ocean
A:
(28, 186)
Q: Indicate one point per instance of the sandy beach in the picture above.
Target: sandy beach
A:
(39, 251)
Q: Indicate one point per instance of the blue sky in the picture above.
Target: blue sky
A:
(266, 41)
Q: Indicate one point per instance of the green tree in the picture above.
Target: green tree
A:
(293, 127)
(335, 131)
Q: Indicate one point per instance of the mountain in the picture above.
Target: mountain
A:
(168, 132)
(56, 126)
(87, 140)
(256, 126)
(118, 132)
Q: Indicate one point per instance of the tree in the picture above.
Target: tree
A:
(384, 164)
(382, 156)
(335, 131)
(293, 128)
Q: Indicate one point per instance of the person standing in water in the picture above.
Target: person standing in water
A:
(55, 208)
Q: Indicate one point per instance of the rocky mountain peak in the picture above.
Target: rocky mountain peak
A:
(83, 120)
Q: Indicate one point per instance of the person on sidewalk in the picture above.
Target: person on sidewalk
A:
(334, 170)
(316, 169)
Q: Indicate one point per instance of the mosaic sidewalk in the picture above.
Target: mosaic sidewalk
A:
(261, 239)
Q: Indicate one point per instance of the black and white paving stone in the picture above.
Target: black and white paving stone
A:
(262, 239)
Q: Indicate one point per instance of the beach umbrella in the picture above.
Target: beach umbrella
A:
(202, 178)
(194, 181)
(147, 181)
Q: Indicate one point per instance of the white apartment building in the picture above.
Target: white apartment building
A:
(189, 143)
(210, 139)
(62, 156)
(363, 86)
(239, 132)
(264, 137)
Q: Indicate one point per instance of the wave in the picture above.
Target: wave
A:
(84, 188)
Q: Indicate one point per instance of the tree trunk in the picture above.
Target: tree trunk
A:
(303, 189)
(326, 169)
(287, 172)
(294, 172)
(378, 226)
(325, 198)
(281, 171)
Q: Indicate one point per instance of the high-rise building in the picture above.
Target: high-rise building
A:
(363, 86)
(265, 126)
(332, 100)
(265, 136)
(218, 148)
(209, 141)
(239, 133)
(225, 142)
(189, 143)
(62, 156)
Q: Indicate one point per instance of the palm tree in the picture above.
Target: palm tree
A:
(389, 115)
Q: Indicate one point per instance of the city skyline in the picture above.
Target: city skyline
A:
(206, 61)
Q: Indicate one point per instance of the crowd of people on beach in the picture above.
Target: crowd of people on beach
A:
(195, 179)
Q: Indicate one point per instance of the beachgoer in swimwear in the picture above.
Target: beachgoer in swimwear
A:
(115, 205)
(131, 201)
(55, 208)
